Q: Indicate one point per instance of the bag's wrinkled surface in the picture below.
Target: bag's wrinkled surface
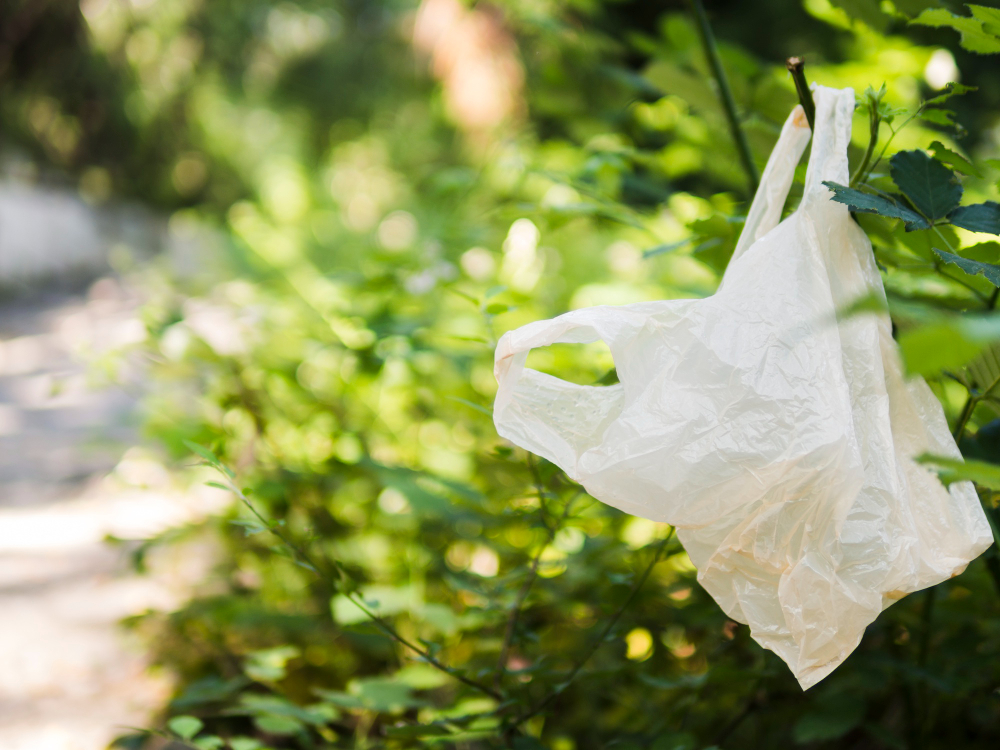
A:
(777, 440)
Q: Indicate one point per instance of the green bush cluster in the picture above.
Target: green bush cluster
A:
(392, 574)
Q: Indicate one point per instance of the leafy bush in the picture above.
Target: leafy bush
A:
(395, 575)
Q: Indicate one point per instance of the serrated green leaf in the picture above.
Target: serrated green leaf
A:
(952, 89)
(931, 187)
(978, 217)
(973, 36)
(943, 117)
(185, 727)
(988, 271)
(952, 470)
(953, 159)
(876, 204)
(990, 18)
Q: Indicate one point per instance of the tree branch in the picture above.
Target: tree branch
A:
(725, 93)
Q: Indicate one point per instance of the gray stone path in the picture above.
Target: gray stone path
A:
(69, 677)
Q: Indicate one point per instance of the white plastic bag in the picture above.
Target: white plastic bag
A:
(777, 440)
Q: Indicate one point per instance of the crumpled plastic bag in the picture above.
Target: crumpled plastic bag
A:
(777, 439)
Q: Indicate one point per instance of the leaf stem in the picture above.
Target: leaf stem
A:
(515, 610)
(874, 122)
(597, 642)
(378, 621)
(725, 93)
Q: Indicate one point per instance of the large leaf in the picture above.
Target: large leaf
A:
(932, 188)
(979, 217)
(974, 37)
(867, 203)
(956, 470)
(989, 271)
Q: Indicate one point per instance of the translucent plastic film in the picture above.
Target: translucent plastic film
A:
(778, 439)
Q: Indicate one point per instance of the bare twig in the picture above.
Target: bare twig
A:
(596, 644)
(378, 621)
(515, 610)
(796, 66)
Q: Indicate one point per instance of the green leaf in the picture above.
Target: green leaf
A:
(185, 727)
(413, 731)
(284, 725)
(931, 187)
(867, 12)
(244, 743)
(952, 470)
(202, 452)
(876, 204)
(974, 37)
(943, 117)
(953, 159)
(979, 217)
(268, 665)
(952, 89)
(384, 694)
(929, 349)
(990, 18)
(988, 271)
(947, 344)
(209, 742)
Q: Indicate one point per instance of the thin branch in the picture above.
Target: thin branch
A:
(544, 703)
(378, 621)
(515, 611)
(725, 93)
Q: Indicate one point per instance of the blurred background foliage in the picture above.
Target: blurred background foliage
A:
(375, 191)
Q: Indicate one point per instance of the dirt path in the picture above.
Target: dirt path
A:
(69, 678)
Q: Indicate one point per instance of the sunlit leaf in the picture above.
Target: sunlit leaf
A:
(185, 727)
(973, 36)
(953, 159)
(952, 470)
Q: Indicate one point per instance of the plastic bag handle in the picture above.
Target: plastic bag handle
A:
(828, 159)
(553, 418)
(765, 211)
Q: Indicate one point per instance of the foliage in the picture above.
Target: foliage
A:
(394, 575)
